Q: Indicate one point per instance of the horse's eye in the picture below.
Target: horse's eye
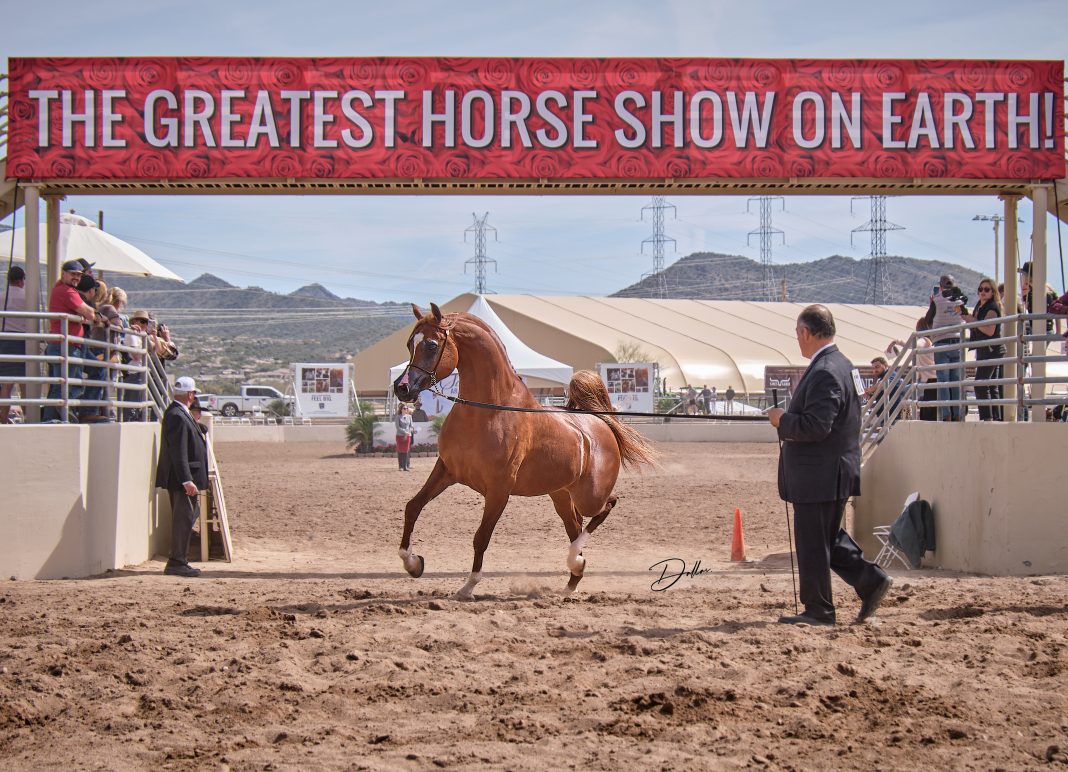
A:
(431, 345)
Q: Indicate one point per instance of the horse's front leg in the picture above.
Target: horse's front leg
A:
(438, 481)
(491, 513)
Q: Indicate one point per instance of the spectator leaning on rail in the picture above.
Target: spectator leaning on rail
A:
(165, 348)
(183, 471)
(106, 330)
(924, 358)
(138, 324)
(948, 302)
(1027, 297)
(65, 299)
(987, 306)
(14, 300)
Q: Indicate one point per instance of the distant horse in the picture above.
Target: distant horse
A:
(574, 458)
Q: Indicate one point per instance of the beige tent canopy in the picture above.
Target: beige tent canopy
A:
(701, 342)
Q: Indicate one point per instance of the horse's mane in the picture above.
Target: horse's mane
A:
(587, 392)
(448, 322)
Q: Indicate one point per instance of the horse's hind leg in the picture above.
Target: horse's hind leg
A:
(491, 513)
(605, 512)
(438, 481)
(576, 561)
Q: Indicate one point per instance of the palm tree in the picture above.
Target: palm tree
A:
(360, 432)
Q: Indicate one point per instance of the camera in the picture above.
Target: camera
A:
(956, 295)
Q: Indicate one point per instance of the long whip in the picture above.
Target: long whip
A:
(786, 505)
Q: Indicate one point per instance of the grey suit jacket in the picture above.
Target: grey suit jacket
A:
(820, 459)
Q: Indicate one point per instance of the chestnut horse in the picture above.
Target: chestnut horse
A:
(573, 458)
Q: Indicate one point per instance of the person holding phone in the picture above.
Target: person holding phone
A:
(947, 304)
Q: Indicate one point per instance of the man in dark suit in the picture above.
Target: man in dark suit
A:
(819, 469)
(183, 471)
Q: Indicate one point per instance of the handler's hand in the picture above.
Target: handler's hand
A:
(774, 414)
(190, 488)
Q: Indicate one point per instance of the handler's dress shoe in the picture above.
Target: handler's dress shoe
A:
(871, 603)
(805, 619)
(180, 569)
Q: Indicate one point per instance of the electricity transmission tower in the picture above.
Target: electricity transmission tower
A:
(879, 289)
(658, 239)
(480, 261)
(768, 290)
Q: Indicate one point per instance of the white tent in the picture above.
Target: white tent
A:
(526, 360)
(80, 237)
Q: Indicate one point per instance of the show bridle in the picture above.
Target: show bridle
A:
(433, 371)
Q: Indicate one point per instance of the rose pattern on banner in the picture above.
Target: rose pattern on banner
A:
(409, 157)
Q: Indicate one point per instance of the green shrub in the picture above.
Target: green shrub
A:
(360, 432)
(279, 407)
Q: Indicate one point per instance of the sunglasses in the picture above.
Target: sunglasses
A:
(986, 289)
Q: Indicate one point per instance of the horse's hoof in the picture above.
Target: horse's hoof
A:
(418, 570)
(463, 595)
(572, 583)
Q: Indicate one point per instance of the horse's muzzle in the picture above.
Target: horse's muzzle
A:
(404, 389)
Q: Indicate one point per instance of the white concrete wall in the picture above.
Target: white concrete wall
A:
(708, 431)
(996, 490)
(241, 433)
(77, 500)
(673, 431)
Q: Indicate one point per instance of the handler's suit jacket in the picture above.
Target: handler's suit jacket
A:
(820, 459)
(183, 453)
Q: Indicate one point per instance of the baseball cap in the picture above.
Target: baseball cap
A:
(184, 385)
(73, 266)
(1025, 268)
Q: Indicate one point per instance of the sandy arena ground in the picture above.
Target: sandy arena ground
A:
(314, 650)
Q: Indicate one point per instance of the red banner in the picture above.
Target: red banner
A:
(397, 118)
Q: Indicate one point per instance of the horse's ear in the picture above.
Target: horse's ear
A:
(419, 313)
(435, 311)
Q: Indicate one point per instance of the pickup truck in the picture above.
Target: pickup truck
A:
(253, 398)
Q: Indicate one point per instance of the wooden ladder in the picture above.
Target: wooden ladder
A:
(213, 512)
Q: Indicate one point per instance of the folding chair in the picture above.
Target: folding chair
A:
(888, 553)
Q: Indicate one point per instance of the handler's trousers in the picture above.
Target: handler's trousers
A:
(822, 547)
(184, 513)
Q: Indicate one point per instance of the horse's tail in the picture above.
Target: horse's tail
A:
(587, 392)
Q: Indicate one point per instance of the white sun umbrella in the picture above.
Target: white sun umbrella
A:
(80, 237)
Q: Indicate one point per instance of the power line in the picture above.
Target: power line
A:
(766, 231)
(879, 289)
(658, 240)
(480, 261)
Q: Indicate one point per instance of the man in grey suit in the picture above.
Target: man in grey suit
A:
(819, 469)
(183, 471)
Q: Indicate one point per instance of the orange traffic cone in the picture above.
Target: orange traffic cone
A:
(738, 542)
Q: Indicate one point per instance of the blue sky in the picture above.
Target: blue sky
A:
(412, 248)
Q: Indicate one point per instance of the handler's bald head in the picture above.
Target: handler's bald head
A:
(815, 329)
(817, 320)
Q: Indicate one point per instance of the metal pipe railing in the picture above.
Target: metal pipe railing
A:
(905, 383)
(102, 358)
